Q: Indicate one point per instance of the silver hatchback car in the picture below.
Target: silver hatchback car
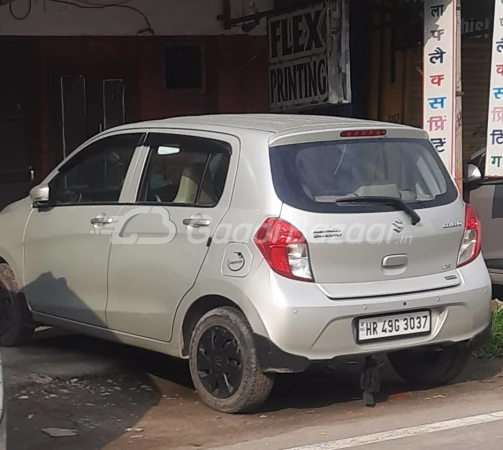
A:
(252, 245)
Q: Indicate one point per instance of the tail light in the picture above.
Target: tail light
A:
(285, 249)
(472, 239)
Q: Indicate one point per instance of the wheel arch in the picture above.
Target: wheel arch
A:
(191, 310)
(6, 258)
(197, 310)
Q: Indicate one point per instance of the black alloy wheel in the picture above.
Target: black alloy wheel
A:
(219, 362)
(224, 363)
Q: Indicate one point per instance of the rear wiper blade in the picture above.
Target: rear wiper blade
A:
(415, 218)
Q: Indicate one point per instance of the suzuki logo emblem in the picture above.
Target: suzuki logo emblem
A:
(398, 225)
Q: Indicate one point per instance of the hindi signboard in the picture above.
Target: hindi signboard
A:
(494, 155)
(309, 60)
(439, 94)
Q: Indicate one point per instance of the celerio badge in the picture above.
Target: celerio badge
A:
(452, 225)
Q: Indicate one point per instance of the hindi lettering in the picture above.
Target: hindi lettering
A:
(497, 114)
(437, 102)
(437, 11)
(437, 34)
(497, 137)
(437, 123)
(496, 161)
(437, 79)
(437, 56)
(439, 144)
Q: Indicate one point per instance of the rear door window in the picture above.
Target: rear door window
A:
(314, 176)
(184, 171)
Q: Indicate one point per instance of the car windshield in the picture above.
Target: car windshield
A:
(316, 176)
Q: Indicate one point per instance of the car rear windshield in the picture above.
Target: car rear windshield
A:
(314, 176)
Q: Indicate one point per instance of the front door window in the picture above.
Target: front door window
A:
(96, 174)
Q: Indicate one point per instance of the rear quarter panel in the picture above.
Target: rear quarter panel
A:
(253, 200)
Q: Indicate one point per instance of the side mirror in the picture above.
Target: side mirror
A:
(40, 194)
(472, 174)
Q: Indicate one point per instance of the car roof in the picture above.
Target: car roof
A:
(264, 123)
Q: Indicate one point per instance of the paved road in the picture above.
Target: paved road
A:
(411, 424)
(116, 398)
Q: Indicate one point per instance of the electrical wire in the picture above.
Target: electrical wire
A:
(89, 5)
(115, 3)
(23, 17)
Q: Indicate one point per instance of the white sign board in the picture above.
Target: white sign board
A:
(439, 108)
(309, 60)
(494, 155)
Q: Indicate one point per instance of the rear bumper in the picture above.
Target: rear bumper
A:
(302, 323)
(274, 360)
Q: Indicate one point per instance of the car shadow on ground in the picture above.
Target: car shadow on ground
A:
(322, 385)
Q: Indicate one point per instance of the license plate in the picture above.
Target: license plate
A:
(394, 326)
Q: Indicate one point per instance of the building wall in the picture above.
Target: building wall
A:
(235, 72)
(167, 18)
(45, 43)
(64, 38)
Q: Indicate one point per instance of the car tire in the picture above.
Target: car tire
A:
(224, 364)
(431, 367)
(16, 323)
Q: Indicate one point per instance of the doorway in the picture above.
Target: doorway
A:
(92, 100)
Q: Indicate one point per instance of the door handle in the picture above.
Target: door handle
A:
(101, 220)
(196, 222)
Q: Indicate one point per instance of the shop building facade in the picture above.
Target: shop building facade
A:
(74, 69)
(395, 55)
(71, 70)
